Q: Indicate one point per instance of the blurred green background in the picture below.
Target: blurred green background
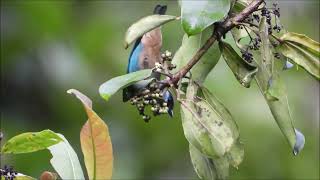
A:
(48, 47)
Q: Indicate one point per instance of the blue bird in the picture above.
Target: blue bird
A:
(145, 53)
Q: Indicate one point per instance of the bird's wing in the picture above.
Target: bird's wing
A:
(136, 44)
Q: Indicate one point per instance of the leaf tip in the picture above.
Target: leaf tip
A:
(70, 91)
(101, 92)
(83, 98)
(288, 65)
(106, 97)
(300, 140)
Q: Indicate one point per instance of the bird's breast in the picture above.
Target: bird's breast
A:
(152, 42)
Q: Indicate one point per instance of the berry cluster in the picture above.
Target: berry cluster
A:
(276, 10)
(155, 96)
(267, 13)
(256, 17)
(253, 21)
(8, 173)
(166, 59)
(151, 96)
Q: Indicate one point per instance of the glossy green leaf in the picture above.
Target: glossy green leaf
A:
(188, 48)
(303, 51)
(275, 93)
(110, 87)
(145, 25)
(243, 71)
(65, 160)
(31, 142)
(198, 15)
(95, 142)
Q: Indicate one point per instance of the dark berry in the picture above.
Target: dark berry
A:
(246, 55)
(256, 17)
(277, 55)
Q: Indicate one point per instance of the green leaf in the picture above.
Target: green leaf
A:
(65, 160)
(208, 168)
(275, 93)
(20, 176)
(238, 35)
(216, 104)
(200, 134)
(110, 87)
(243, 71)
(266, 53)
(208, 61)
(198, 15)
(239, 5)
(31, 142)
(303, 51)
(203, 165)
(145, 25)
(205, 127)
(221, 165)
(276, 88)
(302, 40)
(95, 142)
(189, 46)
(212, 133)
(236, 154)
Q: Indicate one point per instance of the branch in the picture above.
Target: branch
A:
(220, 30)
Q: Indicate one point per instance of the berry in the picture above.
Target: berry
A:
(256, 17)
(246, 55)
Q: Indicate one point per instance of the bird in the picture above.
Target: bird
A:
(145, 53)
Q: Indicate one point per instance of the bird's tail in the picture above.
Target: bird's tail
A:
(167, 97)
(159, 9)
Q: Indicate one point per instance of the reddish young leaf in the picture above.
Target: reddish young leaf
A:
(95, 142)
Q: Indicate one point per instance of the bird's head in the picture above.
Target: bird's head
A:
(160, 9)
